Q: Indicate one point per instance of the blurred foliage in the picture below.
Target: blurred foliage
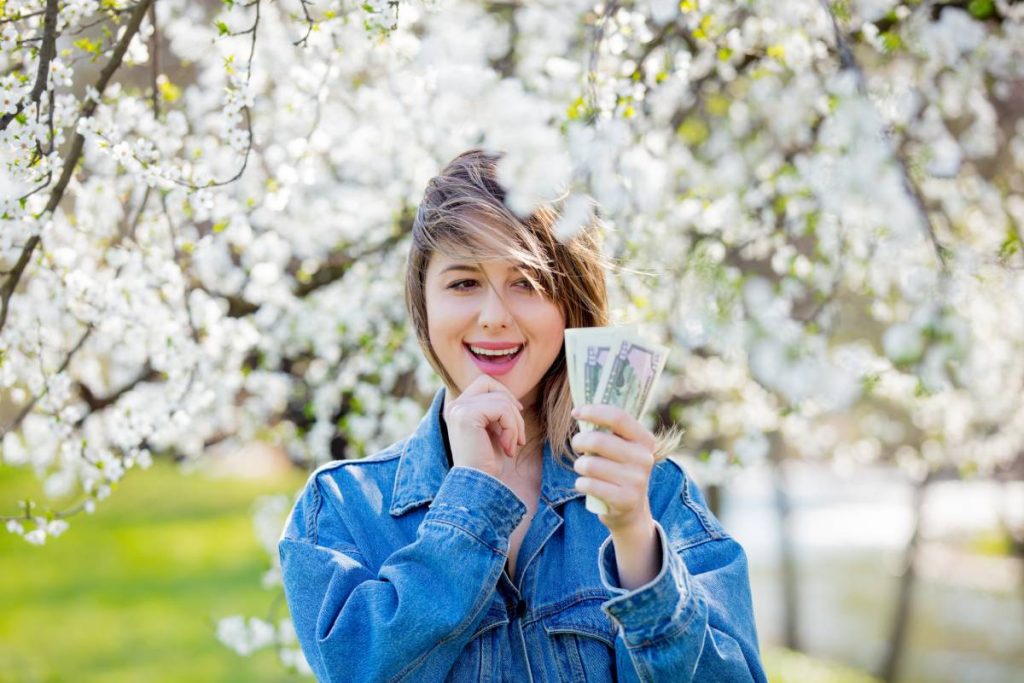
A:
(787, 666)
(133, 593)
(992, 542)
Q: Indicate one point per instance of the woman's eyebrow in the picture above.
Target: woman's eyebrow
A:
(460, 266)
(473, 269)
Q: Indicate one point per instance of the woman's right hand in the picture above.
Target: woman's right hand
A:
(485, 426)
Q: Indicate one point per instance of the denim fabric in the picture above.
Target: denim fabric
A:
(394, 571)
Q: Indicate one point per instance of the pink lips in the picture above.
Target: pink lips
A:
(494, 368)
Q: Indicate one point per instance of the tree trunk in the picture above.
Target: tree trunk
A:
(787, 554)
(901, 619)
(713, 497)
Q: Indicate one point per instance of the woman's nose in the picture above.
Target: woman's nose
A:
(493, 311)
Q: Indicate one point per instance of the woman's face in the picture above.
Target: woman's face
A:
(463, 310)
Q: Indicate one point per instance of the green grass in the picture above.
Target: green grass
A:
(787, 666)
(134, 591)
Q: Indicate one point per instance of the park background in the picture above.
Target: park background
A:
(205, 211)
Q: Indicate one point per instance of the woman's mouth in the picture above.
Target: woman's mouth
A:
(494, 364)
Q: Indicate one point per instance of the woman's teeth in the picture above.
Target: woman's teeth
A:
(495, 356)
(489, 352)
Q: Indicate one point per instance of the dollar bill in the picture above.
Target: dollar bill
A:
(614, 366)
(588, 350)
(629, 376)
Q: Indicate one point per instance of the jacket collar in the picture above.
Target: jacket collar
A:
(423, 466)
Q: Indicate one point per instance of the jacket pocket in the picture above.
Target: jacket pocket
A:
(481, 659)
(582, 641)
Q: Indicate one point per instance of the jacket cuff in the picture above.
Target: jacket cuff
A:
(479, 504)
(654, 609)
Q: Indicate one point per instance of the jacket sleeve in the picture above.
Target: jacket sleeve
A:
(409, 619)
(694, 621)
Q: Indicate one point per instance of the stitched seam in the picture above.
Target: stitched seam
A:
(313, 520)
(595, 632)
(708, 539)
(554, 608)
(713, 530)
(639, 665)
(570, 630)
(458, 526)
(669, 634)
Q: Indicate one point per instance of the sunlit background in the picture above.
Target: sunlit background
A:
(205, 207)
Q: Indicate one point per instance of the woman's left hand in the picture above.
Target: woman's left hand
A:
(620, 471)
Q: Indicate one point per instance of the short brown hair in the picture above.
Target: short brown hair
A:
(463, 215)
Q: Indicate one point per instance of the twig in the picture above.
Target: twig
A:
(848, 62)
(301, 42)
(47, 51)
(27, 408)
(154, 50)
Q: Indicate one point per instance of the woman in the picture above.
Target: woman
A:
(464, 552)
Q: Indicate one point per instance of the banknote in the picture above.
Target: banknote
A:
(630, 375)
(587, 352)
(615, 366)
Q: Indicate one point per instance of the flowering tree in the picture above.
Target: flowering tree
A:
(205, 207)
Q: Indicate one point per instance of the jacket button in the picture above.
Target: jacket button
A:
(520, 609)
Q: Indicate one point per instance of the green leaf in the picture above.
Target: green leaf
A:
(693, 131)
(223, 28)
(981, 9)
(891, 41)
(86, 45)
(1010, 246)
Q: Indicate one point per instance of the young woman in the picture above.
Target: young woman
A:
(464, 552)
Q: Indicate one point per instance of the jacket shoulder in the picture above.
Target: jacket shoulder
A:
(677, 500)
(334, 482)
(386, 454)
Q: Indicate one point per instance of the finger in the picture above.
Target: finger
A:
(606, 469)
(517, 409)
(618, 420)
(505, 414)
(610, 493)
(498, 436)
(503, 435)
(485, 384)
(606, 445)
(518, 434)
(522, 426)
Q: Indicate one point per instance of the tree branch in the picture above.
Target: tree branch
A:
(848, 62)
(46, 52)
(75, 152)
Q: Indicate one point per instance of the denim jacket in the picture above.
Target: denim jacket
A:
(394, 570)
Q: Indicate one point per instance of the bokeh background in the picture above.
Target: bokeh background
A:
(138, 590)
(205, 208)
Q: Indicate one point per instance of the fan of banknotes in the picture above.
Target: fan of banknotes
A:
(614, 366)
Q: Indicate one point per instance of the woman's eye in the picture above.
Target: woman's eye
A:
(462, 285)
